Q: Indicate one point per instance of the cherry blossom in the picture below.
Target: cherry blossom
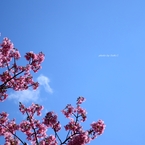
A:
(11, 78)
(20, 78)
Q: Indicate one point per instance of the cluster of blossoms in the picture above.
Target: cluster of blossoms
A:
(36, 130)
(11, 77)
(78, 135)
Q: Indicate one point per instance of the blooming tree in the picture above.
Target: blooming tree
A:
(19, 78)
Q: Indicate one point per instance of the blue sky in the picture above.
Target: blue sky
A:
(93, 49)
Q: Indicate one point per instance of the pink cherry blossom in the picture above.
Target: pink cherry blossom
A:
(68, 111)
(11, 77)
(3, 117)
(73, 126)
(98, 127)
(51, 140)
(50, 120)
(80, 139)
(19, 78)
(80, 100)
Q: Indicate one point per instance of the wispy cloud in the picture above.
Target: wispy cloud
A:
(31, 95)
(25, 96)
(44, 81)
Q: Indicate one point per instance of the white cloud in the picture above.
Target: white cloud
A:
(31, 95)
(25, 96)
(44, 81)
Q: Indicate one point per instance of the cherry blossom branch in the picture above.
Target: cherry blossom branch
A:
(10, 79)
(13, 76)
(14, 134)
(35, 134)
(33, 128)
(64, 142)
(56, 135)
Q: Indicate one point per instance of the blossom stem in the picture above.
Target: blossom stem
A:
(56, 135)
(33, 128)
(14, 135)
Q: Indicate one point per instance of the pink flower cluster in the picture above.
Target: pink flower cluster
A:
(10, 78)
(8, 129)
(78, 135)
(50, 120)
(70, 110)
(36, 130)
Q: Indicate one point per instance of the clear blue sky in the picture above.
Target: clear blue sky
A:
(95, 49)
